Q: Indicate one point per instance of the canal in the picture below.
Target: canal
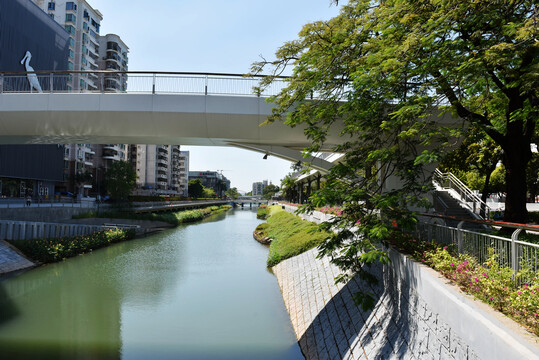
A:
(199, 291)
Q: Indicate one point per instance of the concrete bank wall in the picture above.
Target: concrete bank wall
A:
(44, 214)
(418, 315)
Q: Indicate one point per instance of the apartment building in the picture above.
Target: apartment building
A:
(258, 188)
(85, 164)
(113, 56)
(83, 23)
(161, 169)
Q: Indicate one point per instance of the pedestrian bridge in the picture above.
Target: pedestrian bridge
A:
(155, 108)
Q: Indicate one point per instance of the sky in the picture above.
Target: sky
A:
(212, 36)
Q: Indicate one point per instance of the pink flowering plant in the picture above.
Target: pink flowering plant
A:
(492, 283)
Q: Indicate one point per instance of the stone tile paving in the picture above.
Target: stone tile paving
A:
(11, 260)
(329, 326)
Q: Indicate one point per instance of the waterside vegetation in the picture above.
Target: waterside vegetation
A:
(174, 218)
(290, 235)
(55, 249)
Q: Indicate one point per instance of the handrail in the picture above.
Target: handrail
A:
(108, 81)
(464, 192)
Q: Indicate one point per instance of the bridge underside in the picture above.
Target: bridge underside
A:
(139, 118)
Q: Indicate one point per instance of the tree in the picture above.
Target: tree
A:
(476, 158)
(209, 193)
(120, 180)
(195, 188)
(269, 191)
(232, 193)
(383, 72)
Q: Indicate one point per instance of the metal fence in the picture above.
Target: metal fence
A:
(137, 82)
(511, 252)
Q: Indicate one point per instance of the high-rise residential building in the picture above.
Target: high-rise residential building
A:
(85, 164)
(83, 23)
(161, 169)
(113, 56)
(258, 188)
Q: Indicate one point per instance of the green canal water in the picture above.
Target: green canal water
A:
(200, 291)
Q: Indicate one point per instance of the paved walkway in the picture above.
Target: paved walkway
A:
(11, 260)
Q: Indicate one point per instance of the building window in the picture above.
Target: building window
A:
(51, 16)
(71, 54)
(85, 26)
(70, 29)
(93, 34)
(86, 15)
(71, 6)
(95, 25)
(69, 65)
(52, 6)
(71, 18)
(71, 42)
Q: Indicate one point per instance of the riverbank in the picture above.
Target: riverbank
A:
(418, 314)
(51, 250)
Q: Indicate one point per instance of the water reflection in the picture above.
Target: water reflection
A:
(196, 292)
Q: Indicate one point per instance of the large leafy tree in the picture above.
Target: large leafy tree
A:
(195, 188)
(269, 191)
(232, 193)
(382, 71)
(120, 180)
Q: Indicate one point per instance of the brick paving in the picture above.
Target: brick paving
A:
(11, 260)
(329, 326)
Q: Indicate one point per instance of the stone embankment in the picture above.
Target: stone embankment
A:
(418, 315)
(11, 259)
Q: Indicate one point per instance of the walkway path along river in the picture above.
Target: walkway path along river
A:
(200, 291)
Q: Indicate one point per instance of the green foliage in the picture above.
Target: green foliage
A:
(120, 179)
(291, 236)
(492, 284)
(262, 212)
(195, 188)
(269, 191)
(56, 249)
(383, 75)
(174, 218)
(232, 193)
(208, 193)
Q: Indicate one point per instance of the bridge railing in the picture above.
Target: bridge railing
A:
(136, 82)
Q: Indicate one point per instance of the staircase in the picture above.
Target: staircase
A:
(453, 198)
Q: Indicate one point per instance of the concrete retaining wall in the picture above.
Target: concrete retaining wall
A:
(418, 314)
(42, 214)
(23, 230)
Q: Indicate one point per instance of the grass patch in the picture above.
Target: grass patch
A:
(291, 235)
(174, 218)
(56, 249)
(262, 212)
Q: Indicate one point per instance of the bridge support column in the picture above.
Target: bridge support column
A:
(318, 181)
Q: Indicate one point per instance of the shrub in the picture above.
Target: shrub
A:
(489, 282)
(56, 249)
